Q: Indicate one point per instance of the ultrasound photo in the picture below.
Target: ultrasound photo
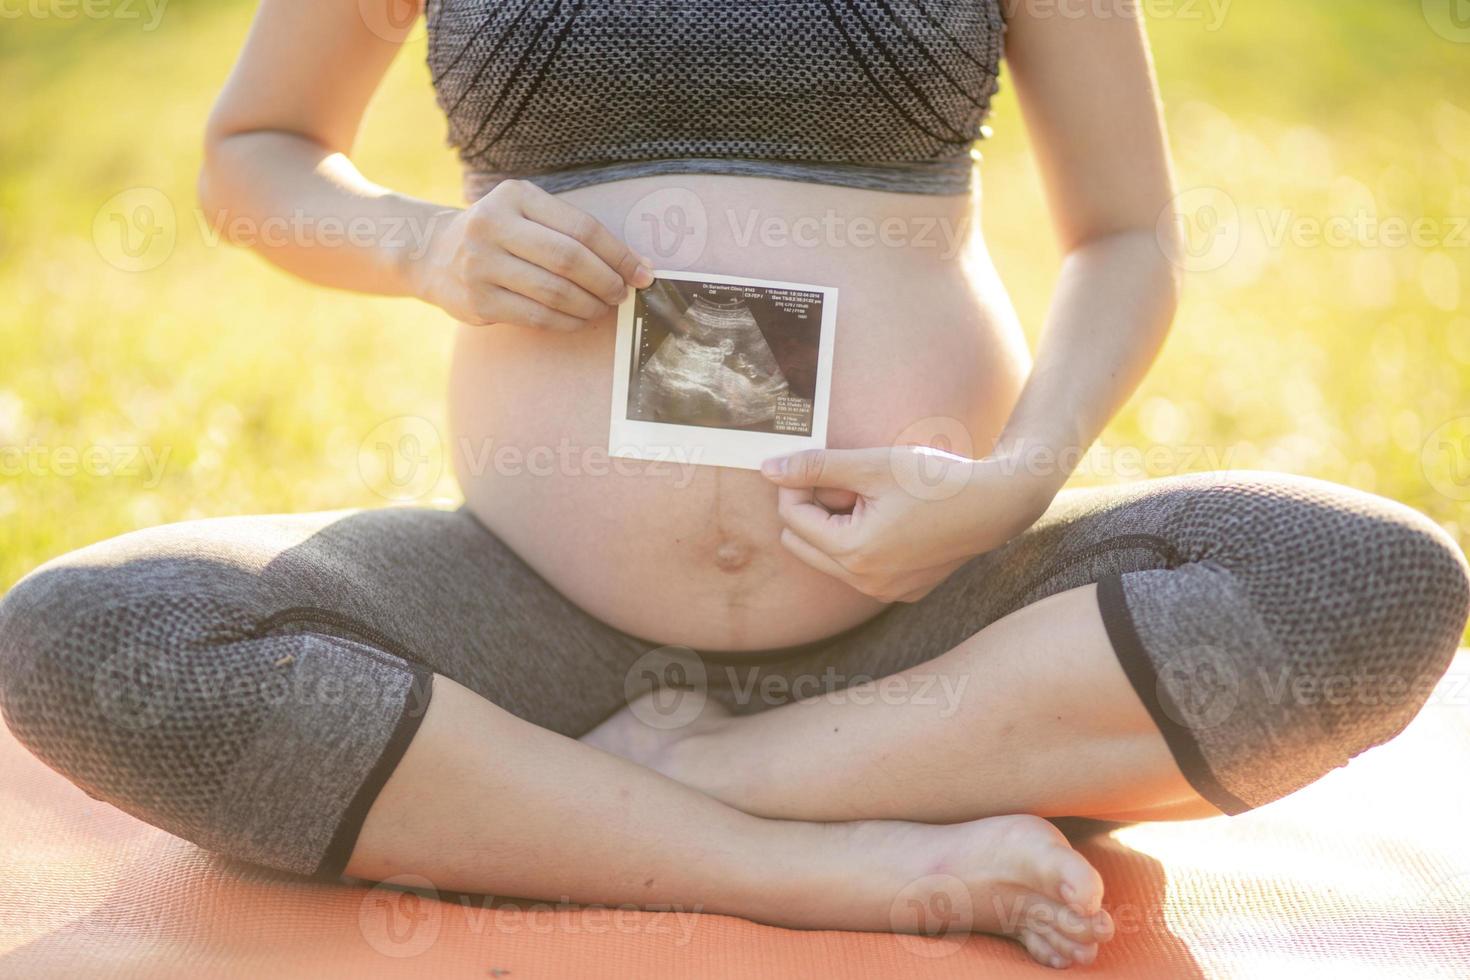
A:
(735, 355)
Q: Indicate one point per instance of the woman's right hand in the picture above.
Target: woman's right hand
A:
(522, 256)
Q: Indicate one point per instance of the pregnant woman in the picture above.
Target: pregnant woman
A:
(909, 649)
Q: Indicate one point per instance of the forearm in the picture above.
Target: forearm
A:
(308, 210)
(1110, 312)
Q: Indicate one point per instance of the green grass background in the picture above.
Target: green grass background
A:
(1350, 362)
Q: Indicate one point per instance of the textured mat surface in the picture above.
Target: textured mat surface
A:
(1365, 874)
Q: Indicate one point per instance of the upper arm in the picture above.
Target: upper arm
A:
(1086, 87)
(309, 67)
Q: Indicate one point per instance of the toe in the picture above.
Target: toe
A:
(1056, 939)
(1081, 953)
(1075, 882)
(1041, 949)
(1082, 928)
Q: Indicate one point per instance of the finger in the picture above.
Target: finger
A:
(577, 224)
(816, 558)
(812, 522)
(499, 305)
(550, 290)
(566, 257)
(840, 469)
(836, 501)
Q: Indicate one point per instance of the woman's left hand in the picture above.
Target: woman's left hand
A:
(916, 513)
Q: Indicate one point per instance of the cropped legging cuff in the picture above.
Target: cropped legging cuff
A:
(1162, 708)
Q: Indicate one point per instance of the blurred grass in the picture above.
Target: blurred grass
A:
(256, 391)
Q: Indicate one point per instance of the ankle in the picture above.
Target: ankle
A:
(712, 760)
(815, 875)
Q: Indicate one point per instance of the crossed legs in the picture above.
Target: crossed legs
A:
(183, 675)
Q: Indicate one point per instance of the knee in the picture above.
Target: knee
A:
(57, 630)
(104, 665)
(1366, 599)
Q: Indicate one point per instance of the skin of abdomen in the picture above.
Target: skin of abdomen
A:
(926, 343)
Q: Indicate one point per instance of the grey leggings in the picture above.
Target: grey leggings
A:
(249, 683)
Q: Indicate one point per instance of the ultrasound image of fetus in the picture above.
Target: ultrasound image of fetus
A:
(714, 368)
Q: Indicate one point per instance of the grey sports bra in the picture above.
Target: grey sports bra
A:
(884, 94)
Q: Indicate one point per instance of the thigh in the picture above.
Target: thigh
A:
(433, 587)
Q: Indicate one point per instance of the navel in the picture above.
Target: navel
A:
(732, 555)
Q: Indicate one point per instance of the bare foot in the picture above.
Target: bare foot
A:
(648, 729)
(1014, 876)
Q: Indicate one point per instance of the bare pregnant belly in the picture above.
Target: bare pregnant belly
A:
(926, 348)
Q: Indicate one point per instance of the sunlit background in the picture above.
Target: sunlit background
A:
(149, 375)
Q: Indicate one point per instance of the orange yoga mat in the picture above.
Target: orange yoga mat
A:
(1365, 874)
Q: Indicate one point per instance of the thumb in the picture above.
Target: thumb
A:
(843, 469)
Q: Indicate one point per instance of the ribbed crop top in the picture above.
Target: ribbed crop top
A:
(883, 94)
